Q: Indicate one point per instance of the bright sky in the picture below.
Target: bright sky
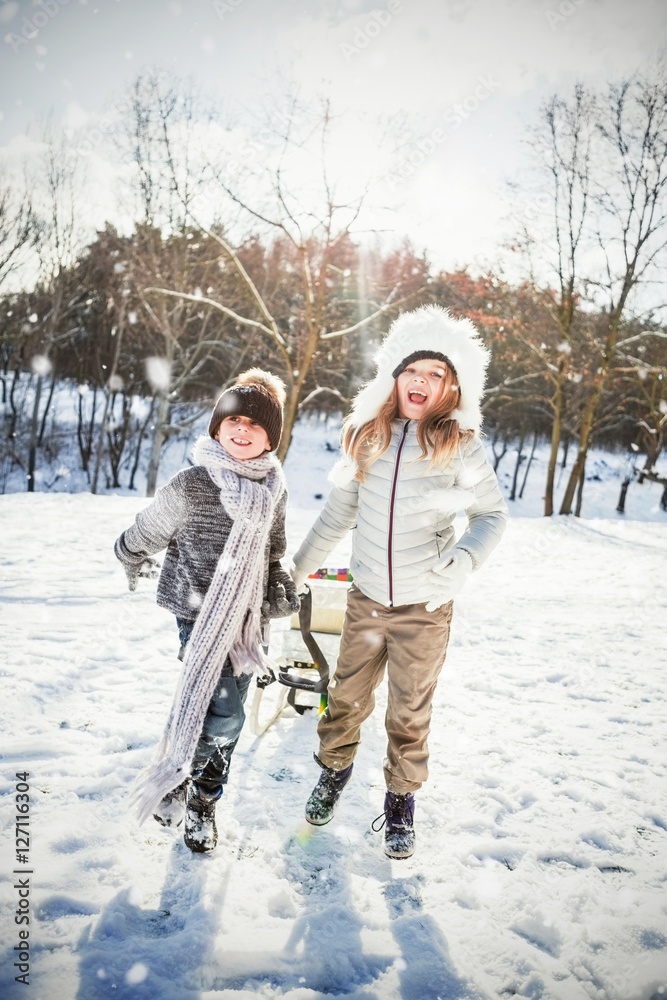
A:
(459, 79)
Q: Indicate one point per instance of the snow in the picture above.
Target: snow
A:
(541, 834)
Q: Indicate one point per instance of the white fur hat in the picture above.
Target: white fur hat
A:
(428, 329)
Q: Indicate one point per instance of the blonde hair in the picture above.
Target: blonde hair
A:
(438, 433)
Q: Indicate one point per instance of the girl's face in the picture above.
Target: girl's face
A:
(242, 437)
(420, 387)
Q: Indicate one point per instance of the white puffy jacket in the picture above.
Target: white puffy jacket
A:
(402, 516)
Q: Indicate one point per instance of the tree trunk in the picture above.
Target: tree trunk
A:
(497, 456)
(34, 424)
(528, 464)
(519, 459)
(620, 507)
(100, 442)
(117, 440)
(161, 422)
(558, 407)
(566, 452)
(12, 403)
(49, 399)
(289, 420)
(141, 428)
(580, 490)
(584, 441)
(85, 432)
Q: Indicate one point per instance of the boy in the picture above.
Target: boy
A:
(222, 522)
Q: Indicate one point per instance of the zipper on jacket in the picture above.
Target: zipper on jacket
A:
(392, 498)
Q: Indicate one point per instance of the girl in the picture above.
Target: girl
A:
(412, 457)
(223, 525)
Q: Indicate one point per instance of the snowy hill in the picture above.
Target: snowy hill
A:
(542, 833)
(539, 832)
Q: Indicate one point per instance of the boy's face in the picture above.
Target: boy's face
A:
(420, 387)
(242, 437)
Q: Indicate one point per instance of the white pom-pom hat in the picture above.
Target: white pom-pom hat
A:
(429, 331)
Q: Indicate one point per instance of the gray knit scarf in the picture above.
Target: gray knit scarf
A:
(228, 623)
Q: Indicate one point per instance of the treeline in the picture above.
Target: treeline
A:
(152, 323)
(123, 343)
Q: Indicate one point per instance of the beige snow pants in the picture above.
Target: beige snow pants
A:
(412, 643)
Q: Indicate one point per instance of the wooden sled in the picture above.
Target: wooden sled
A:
(309, 647)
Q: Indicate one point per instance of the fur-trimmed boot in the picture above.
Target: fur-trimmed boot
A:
(323, 800)
(398, 821)
(170, 810)
(201, 833)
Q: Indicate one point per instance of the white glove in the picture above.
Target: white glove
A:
(299, 577)
(451, 573)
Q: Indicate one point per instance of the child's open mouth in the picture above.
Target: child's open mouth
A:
(417, 397)
(241, 441)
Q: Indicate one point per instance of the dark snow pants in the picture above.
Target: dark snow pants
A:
(222, 725)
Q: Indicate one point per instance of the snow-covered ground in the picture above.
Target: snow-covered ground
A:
(541, 864)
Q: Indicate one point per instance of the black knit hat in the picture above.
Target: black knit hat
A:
(423, 356)
(255, 401)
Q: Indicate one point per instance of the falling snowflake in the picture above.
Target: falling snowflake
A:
(40, 364)
(136, 974)
(158, 373)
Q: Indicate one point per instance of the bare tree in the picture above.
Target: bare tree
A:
(59, 193)
(19, 226)
(555, 241)
(315, 225)
(160, 140)
(631, 230)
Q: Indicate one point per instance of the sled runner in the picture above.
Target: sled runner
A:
(308, 648)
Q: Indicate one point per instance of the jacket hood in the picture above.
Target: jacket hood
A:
(429, 329)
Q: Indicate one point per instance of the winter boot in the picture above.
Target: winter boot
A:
(201, 834)
(398, 821)
(321, 805)
(170, 810)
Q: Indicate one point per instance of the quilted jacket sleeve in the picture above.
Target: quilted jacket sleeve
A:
(488, 514)
(337, 517)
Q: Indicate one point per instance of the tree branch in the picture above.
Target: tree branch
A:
(273, 334)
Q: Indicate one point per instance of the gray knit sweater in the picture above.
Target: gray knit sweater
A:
(187, 518)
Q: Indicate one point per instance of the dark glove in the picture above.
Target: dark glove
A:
(281, 597)
(149, 569)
